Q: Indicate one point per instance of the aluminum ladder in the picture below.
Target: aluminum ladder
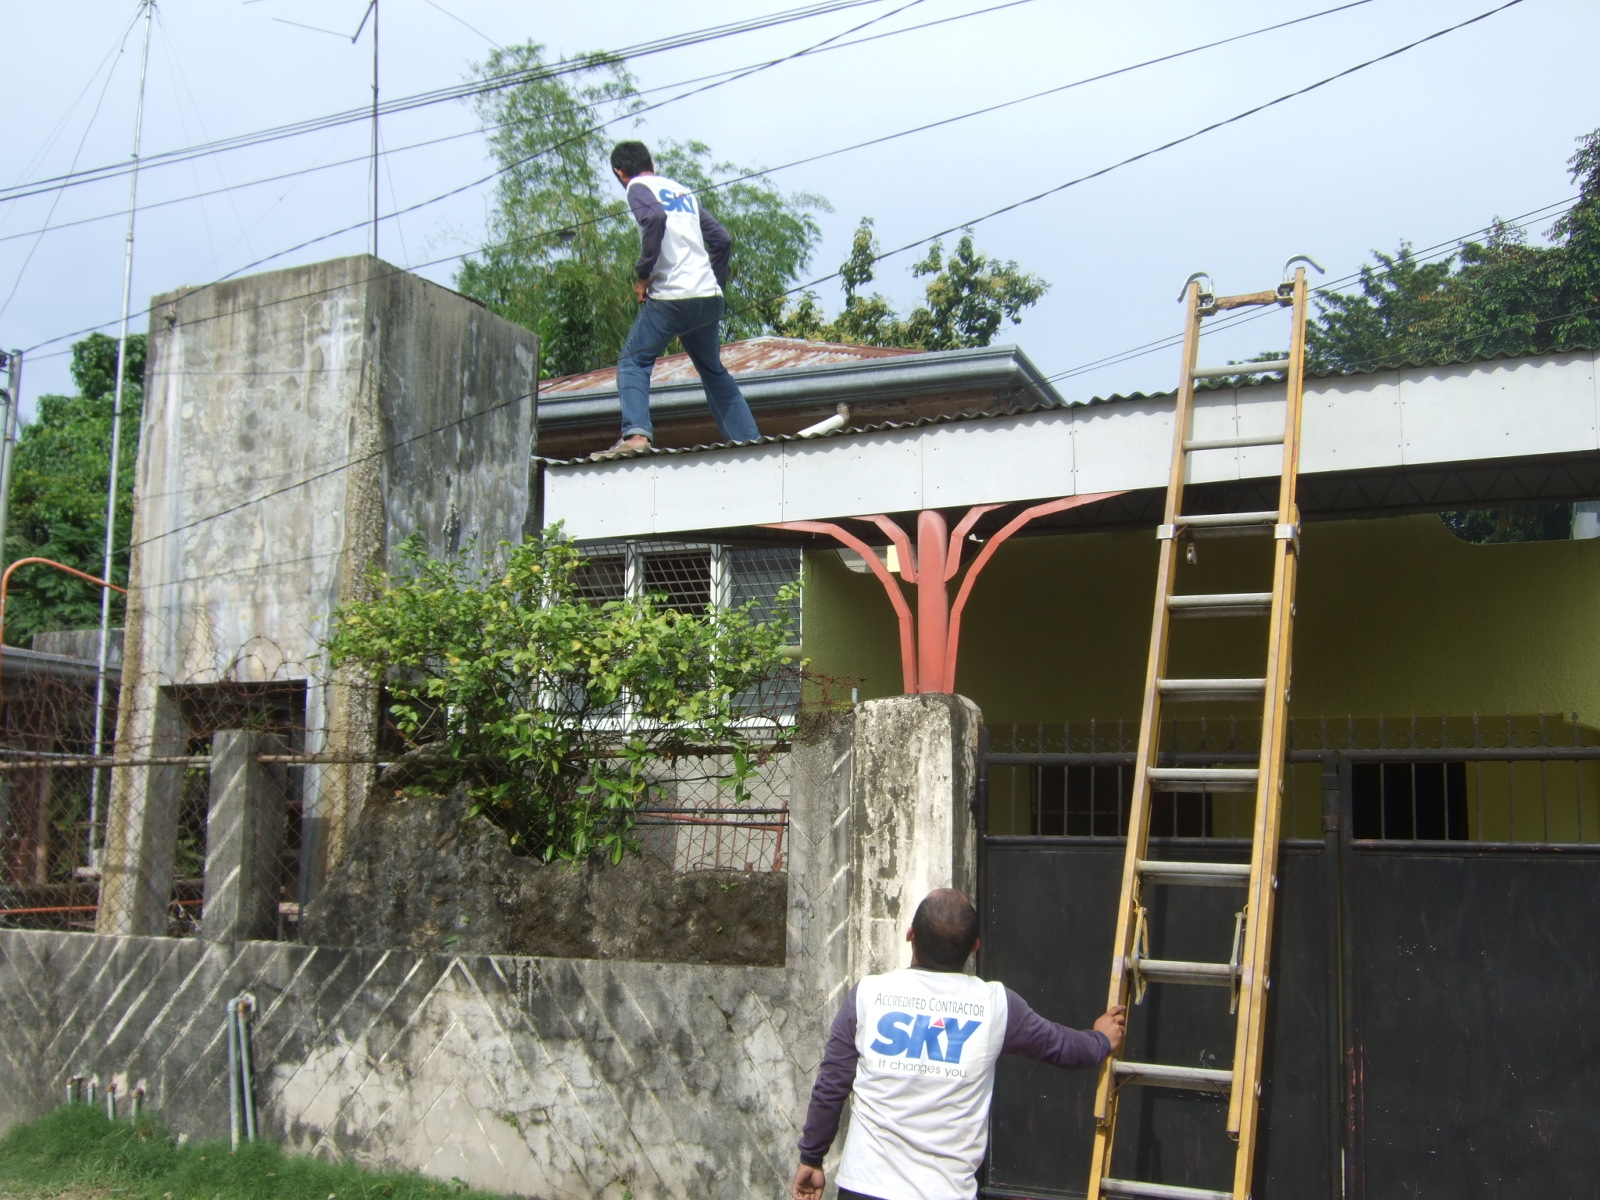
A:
(1246, 974)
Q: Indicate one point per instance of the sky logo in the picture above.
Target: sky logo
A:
(939, 1038)
(676, 201)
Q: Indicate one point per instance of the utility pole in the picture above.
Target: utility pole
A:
(10, 400)
(95, 789)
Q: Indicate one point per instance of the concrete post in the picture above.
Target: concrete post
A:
(244, 837)
(820, 845)
(912, 784)
(142, 821)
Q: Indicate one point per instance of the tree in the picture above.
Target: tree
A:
(60, 473)
(1502, 296)
(561, 241)
(554, 710)
(968, 297)
(1498, 297)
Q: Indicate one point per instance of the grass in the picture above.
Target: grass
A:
(76, 1154)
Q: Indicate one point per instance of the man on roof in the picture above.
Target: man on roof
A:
(678, 278)
(917, 1048)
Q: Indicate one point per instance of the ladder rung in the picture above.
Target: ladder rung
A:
(1221, 604)
(1212, 689)
(1195, 874)
(1233, 443)
(1204, 779)
(1250, 368)
(1159, 1191)
(1228, 520)
(1196, 1079)
(1168, 970)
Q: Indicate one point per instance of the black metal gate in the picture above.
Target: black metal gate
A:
(1434, 1023)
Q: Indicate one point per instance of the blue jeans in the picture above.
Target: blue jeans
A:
(695, 323)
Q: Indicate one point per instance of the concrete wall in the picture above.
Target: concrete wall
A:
(566, 1079)
(1396, 616)
(297, 426)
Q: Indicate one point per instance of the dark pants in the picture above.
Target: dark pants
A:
(696, 324)
(847, 1194)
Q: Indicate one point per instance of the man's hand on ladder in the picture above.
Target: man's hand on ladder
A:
(1114, 1024)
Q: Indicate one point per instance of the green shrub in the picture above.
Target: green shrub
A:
(554, 709)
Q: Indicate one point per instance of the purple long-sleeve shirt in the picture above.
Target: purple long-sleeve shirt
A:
(652, 218)
(1027, 1034)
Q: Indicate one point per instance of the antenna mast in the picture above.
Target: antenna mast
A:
(116, 450)
(372, 11)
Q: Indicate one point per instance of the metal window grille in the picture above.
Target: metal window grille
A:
(692, 577)
(1532, 779)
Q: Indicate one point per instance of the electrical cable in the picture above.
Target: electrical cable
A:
(1437, 250)
(83, 141)
(630, 114)
(175, 68)
(333, 469)
(437, 96)
(540, 235)
(1168, 145)
(366, 157)
(791, 291)
(54, 135)
(462, 21)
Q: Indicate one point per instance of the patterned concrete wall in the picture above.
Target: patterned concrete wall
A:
(548, 1077)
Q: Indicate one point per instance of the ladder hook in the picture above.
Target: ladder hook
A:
(1205, 291)
(1288, 273)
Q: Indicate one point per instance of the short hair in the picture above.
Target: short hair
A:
(632, 158)
(945, 928)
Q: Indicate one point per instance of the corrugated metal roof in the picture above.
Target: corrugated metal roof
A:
(848, 431)
(753, 354)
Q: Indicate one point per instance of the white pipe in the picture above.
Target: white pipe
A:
(233, 1074)
(837, 421)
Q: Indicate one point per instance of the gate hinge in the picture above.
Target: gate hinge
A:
(1330, 823)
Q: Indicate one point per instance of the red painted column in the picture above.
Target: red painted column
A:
(933, 601)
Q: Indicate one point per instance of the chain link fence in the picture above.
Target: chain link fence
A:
(231, 773)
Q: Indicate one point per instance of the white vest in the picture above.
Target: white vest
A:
(683, 271)
(928, 1041)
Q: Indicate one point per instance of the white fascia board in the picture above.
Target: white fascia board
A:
(1471, 412)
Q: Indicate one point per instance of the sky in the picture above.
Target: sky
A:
(1428, 146)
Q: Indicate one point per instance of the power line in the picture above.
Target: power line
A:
(83, 141)
(49, 142)
(1438, 249)
(439, 96)
(333, 470)
(333, 466)
(365, 158)
(1173, 143)
(629, 115)
(462, 21)
(543, 234)
(1007, 208)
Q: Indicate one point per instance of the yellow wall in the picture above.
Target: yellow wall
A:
(1395, 616)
